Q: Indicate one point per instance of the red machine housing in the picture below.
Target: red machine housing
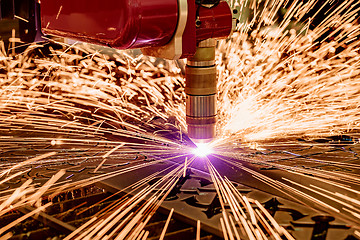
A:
(215, 22)
(119, 24)
(125, 24)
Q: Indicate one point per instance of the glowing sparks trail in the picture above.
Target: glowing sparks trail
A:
(290, 80)
(249, 220)
(278, 79)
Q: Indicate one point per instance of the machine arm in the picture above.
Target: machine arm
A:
(170, 29)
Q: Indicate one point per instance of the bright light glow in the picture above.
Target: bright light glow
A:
(203, 149)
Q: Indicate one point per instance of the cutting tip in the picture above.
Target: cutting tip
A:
(202, 149)
(201, 141)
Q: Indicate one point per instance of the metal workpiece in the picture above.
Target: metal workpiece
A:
(201, 92)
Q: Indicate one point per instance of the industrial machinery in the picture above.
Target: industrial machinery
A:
(170, 29)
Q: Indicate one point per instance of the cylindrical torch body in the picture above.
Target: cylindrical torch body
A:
(200, 92)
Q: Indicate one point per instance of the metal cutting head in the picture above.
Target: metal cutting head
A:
(201, 92)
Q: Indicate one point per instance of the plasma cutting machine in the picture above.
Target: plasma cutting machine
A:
(170, 29)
